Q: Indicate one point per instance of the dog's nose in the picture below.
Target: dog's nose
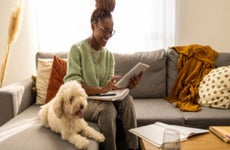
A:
(81, 106)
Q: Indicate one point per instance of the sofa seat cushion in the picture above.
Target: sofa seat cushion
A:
(149, 111)
(26, 132)
(207, 117)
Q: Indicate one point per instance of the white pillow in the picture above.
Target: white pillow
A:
(214, 89)
(42, 79)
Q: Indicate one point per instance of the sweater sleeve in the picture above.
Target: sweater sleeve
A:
(74, 69)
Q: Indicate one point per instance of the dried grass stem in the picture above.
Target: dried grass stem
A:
(13, 30)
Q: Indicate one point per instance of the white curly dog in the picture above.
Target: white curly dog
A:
(64, 115)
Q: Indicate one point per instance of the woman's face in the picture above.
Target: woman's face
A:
(102, 31)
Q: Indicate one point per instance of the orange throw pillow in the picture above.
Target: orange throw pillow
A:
(58, 71)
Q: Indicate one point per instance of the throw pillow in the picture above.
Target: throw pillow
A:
(214, 89)
(42, 78)
(58, 71)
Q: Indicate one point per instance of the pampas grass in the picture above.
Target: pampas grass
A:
(13, 30)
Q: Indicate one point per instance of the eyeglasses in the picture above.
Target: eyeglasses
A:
(106, 32)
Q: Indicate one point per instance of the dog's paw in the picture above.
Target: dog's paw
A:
(82, 144)
(100, 138)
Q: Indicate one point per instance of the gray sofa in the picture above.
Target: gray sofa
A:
(18, 112)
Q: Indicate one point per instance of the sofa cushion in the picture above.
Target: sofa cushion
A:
(153, 82)
(25, 132)
(172, 71)
(223, 59)
(149, 111)
(207, 117)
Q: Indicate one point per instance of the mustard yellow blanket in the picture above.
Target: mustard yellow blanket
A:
(194, 62)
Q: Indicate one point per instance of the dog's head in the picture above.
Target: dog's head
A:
(71, 100)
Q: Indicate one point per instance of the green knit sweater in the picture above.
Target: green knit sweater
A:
(88, 66)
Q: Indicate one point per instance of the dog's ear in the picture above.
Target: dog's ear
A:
(58, 107)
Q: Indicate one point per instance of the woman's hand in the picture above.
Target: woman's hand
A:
(112, 85)
(135, 80)
(108, 87)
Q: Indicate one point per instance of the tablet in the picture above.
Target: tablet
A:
(124, 81)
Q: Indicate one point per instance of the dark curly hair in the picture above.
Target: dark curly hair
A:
(100, 14)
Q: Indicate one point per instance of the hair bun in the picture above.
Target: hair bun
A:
(106, 4)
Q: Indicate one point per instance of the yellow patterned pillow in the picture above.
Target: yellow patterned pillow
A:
(214, 89)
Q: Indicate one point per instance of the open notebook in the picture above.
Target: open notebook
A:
(153, 133)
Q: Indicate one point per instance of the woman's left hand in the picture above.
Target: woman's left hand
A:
(135, 80)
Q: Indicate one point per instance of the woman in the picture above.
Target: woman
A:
(92, 65)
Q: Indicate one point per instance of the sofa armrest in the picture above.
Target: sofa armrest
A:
(14, 98)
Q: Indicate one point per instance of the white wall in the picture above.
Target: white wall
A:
(204, 22)
(21, 60)
(198, 21)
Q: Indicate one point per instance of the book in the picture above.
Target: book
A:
(223, 132)
(124, 81)
(153, 133)
(111, 95)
